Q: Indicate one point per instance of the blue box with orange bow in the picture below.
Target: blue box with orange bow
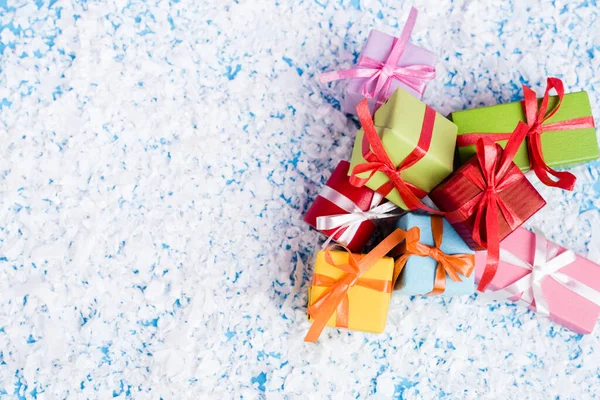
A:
(439, 263)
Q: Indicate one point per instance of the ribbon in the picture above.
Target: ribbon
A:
(382, 74)
(546, 264)
(379, 161)
(450, 265)
(537, 124)
(350, 223)
(494, 174)
(335, 298)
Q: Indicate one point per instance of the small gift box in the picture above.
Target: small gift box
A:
(546, 278)
(386, 64)
(561, 131)
(516, 198)
(345, 212)
(488, 197)
(405, 152)
(353, 291)
(440, 262)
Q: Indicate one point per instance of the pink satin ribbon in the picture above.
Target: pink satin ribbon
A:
(382, 74)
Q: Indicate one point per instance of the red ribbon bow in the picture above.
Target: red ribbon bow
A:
(496, 173)
(378, 160)
(536, 123)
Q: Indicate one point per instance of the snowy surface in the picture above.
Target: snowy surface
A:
(155, 163)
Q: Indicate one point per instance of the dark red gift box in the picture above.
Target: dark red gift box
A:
(522, 198)
(362, 197)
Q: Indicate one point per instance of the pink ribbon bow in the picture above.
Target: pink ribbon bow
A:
(382, 74)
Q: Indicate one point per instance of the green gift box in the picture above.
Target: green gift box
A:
(561, 146)
(400, 123)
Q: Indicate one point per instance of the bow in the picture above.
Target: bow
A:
(546, 264)
(448, 264)
(495, 173)
(350, 223)
(335, 297)
(537, 124)
(382, 74)
(379, 161)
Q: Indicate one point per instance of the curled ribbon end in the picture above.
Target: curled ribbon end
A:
(483, 285)
(330, 76)
(413, 13)
(568, 180)
(555, 83)
(309, 339)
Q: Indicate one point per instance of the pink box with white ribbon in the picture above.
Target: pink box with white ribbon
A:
(546, 278)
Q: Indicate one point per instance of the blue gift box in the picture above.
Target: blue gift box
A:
(418, 276)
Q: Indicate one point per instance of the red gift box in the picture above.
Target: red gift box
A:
(362, 197)
(522, 198)
(488, 198)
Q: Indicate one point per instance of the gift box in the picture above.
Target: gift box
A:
(418, 143)
(568, 293)
(386, 64)
(340, 198)
(561, 132)
(520, 199)
(367, 308)
(426, 264)
(378, 47)
(353, 291)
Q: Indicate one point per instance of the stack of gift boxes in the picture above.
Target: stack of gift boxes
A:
(471, 165)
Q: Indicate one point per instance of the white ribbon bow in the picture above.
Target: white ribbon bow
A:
(546, 264)
(355, 215)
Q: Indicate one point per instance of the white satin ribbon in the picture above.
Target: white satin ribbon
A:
(546, 264)
(351, 221)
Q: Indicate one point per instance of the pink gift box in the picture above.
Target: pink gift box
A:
(378, 47)
(566, 308)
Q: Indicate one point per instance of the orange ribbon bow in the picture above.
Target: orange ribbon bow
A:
(336, 295)
(450, 264)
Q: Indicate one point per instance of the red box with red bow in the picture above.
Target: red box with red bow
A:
(517, 201)
(488, 198)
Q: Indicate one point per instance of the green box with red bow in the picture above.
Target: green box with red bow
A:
(561, 131)
(406, 151)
